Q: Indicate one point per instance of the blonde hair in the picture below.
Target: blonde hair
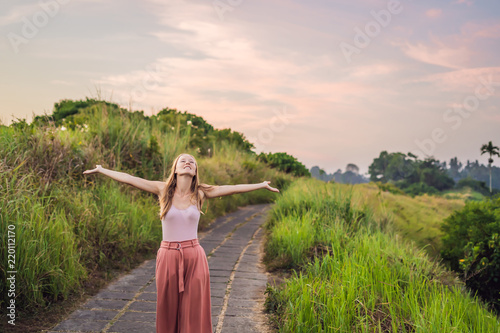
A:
(167, 195)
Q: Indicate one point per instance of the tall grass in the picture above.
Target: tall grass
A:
(68, 225)
(46, 253)
(417, 218)
(350, 273)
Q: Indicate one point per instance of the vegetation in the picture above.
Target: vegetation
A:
(411, 175)
(475, 185)
(285, 163)
(68, 226)
(416, 218)
(492, 151)
(430, 176)
(471, 246)
(350, 176)
(349, 273)
(476, 171)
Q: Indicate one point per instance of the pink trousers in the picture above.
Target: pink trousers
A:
(183, 288)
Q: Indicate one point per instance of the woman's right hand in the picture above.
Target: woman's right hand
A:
(96, 170)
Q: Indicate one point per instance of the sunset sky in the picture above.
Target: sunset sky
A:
(329, 82)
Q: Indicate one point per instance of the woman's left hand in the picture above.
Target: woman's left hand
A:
(266, 185)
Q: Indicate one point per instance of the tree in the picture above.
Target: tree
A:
(284, 162)
(455, 167)
(492, 150)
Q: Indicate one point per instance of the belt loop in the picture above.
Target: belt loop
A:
(180, 269)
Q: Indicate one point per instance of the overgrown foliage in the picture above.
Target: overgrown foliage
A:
(476, 185)
(349, 273)
(286, 163)
(415, 176)
(410, 174)
(471, 246)
(69, 225)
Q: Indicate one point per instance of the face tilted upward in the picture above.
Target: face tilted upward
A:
(186, 165)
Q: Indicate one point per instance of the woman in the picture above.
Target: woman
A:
(182, 275)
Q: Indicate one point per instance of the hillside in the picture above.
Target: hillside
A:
(74, 232)
(415, 218)
(347, 272)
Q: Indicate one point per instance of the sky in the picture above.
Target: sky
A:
(329, 82)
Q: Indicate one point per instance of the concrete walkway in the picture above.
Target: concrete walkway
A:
(237, 281)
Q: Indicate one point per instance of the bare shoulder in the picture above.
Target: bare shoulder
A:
(210, 191)
(201, 194)
(162, 188)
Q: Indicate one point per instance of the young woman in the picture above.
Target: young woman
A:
(182, 275)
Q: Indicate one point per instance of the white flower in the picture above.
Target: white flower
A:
(173, 128)
(63, 128)
(189, 122)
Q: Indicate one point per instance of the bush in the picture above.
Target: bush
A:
(471, 245)
(420, 188)
(475, 185)
(389, 187)
(286, 163)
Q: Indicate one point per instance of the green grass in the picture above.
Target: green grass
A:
(350, 273)
(418, 218)
(69, 226)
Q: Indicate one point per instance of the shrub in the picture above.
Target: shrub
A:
(389, 187)
(476, 185)
(420, 188)
(471, 245)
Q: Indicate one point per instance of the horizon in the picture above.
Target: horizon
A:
(330, 84)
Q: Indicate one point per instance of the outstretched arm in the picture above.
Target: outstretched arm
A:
(223, 190)
(142, 184)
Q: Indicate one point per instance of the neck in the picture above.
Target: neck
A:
(183, 186)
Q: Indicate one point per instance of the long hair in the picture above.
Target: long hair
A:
(167, 195)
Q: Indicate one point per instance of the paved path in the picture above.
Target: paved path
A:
(237, 281)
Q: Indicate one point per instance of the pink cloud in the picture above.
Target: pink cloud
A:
(233, 64)
(465, 80)
(433, 12)
(373, 70)
(467, 2)
(476, 30)
(438, 53)
(455, 51)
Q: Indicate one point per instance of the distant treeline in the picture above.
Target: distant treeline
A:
(415, 176)
(350, 176)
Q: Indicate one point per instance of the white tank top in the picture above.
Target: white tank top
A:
(180, 224)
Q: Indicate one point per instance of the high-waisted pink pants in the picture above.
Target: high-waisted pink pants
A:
(183, 288)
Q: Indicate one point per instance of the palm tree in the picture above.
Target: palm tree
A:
(492, 150)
